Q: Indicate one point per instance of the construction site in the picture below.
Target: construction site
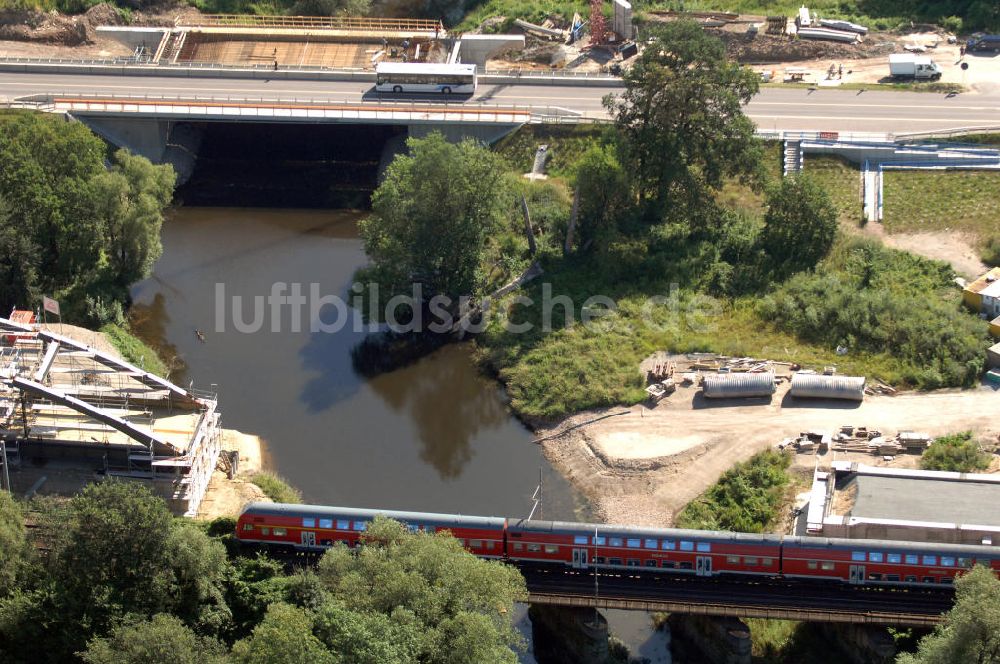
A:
(70, 412)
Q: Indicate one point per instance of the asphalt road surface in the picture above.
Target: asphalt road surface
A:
(774, 108)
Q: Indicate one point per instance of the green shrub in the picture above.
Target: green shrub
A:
(990, 253)
(746, 499)
(873, 299)
(276, 487)
(957, 453)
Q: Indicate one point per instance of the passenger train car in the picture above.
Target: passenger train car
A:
(630, 549)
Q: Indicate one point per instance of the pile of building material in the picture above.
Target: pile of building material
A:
(657, 391)
(871, 441)
(878, 387)
(808, 442)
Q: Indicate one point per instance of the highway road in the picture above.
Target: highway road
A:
(774, 108)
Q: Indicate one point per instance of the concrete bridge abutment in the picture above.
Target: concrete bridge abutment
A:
(160, 141)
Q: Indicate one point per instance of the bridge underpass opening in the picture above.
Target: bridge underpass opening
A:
(289, 165)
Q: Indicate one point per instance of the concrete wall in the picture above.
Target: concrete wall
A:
(477, 49)
(133, 37)
(569, 635)
(160, 141)
(718, 640)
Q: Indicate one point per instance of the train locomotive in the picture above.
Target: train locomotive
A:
(606, 547)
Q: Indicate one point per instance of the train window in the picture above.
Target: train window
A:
(633, 543)
(534, 547)
(518, 546)
(614, 561)
(476, 544)
(343, 524)
(875, 556)
(308, 523)
(650, 563)
(750, 561)
(359, 525)
(686, 565)
(651, 544)
(826, 566)
(965, 562)
(766, 562)
(704, 547)
(892, 577)
(551, 548)
(858, 556)
(874, 577)
(326, 523)
(894, 558)
(928, 579)
(947, 561)
(687, 546)
(911, 559)
(326, 542)
(812, 564)
(598, 560)
(280, 532)
(947, 579)
(733, 560)
(667, 564)
(616, 541)
(633, 562)
(580, 539)
(600, 540)
(247, 526)
(489, 544)
(668, 545)
(411, 527)
(929, 560)
(265, 531)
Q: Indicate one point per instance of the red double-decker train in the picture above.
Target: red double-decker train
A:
(627, 548)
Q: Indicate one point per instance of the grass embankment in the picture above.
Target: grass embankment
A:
(276, 487)
(134, 350)
(566, 144)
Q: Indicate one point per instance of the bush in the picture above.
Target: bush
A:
(877, 300)
(952, 24)
(991, 251)
(276, 487)
(957, 453)
(746, 499)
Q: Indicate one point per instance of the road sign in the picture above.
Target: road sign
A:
(50, 305)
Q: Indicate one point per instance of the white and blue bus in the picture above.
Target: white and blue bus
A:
(422, 77)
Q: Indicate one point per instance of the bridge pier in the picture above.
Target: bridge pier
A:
(160, 141)
(569, 635)
(719, 640)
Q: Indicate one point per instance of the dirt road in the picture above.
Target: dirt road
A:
(643, 466)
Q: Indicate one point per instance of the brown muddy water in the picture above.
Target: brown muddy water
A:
(436, 435)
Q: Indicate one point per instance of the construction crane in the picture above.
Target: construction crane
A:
(598, 27)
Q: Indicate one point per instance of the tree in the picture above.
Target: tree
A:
(681, 119)
(129, 200)
(18, 262)
(432, 215)
(285, 635)
(117, 551)
(453, 606)
(800, 225)
(970, 632)
(603, 188)
(164, 639)
(957, 453)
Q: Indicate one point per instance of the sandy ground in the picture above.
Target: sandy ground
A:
(950, 246)
(643, 465)
(100, 49)
(227, 497)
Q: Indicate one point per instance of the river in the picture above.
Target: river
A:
(435, 435)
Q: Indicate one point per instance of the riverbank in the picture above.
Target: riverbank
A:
(644, 465)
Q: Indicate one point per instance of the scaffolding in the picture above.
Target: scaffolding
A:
(56, 392)
(353, 23)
